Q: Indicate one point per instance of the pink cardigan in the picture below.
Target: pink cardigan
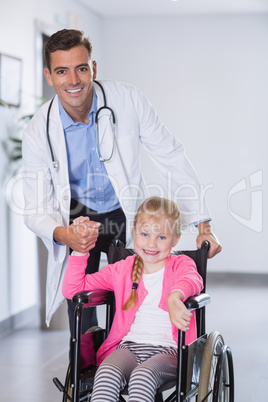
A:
(180, 273)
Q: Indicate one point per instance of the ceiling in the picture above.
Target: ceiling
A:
(145, 8)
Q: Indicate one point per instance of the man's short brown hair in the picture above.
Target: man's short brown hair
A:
(65, 39)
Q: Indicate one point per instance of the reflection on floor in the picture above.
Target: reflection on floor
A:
(30, 358)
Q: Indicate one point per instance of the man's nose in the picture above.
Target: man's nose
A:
(74, 78)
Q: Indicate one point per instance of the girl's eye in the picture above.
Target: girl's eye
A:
(144, 234)
(162, 237)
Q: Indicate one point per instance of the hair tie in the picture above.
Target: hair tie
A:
(134, 285)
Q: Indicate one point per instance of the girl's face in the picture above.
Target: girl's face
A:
(154, 238)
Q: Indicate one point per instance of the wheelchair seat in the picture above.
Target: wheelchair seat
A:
(204, 369)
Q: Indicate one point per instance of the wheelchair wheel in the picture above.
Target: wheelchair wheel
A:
(224, 378)
(84, 394)
(85, 386)
(216, 372)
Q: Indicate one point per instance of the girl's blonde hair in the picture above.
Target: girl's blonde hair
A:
(156, 208)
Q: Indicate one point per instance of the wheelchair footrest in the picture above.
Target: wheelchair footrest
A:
(87, 378)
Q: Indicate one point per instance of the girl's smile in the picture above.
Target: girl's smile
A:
(150, 252)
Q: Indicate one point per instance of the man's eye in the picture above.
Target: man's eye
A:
(83, 69)
(60, 72)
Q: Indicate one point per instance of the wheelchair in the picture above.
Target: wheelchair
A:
(205, 367)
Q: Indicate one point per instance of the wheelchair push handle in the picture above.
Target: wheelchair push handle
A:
(205, 245)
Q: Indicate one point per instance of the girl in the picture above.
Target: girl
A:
(141, 349)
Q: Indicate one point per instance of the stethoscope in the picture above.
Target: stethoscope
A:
(101, 159)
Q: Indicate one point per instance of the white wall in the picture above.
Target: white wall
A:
(207, 78)
(19, 284)
(6, 128)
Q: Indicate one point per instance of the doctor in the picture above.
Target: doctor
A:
(96, 170)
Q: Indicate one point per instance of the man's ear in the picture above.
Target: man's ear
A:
(48, 77)
(94, 67)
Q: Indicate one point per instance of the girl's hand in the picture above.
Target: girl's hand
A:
(178, 313)
(81, 220)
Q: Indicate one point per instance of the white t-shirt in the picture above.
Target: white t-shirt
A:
(152, 324)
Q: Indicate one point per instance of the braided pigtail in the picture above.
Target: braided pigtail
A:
(136, 274)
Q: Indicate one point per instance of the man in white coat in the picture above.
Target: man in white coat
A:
(73, 167)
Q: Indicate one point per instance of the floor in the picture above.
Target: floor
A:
(30, 358)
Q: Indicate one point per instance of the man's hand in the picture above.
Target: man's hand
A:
(178, 313)
(205, 233)
(80, 236)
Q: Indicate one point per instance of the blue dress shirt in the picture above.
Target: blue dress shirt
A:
(89, 181)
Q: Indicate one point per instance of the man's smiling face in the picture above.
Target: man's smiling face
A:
(72, 74)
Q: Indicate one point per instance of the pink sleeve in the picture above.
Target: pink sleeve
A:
(189, 282)
(74, 280)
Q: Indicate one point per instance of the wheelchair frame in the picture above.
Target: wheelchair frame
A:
(205, 367)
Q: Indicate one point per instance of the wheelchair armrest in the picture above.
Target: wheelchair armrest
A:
(197, 302)
(94, 297)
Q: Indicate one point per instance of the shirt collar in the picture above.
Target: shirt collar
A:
(67, 121)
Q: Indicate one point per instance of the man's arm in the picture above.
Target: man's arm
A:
(206, 233)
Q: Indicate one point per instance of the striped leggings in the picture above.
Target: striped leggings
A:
(143, 367)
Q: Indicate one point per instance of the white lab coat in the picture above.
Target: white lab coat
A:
(47, 190)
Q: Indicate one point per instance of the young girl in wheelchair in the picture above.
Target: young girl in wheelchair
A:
(150, 287)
